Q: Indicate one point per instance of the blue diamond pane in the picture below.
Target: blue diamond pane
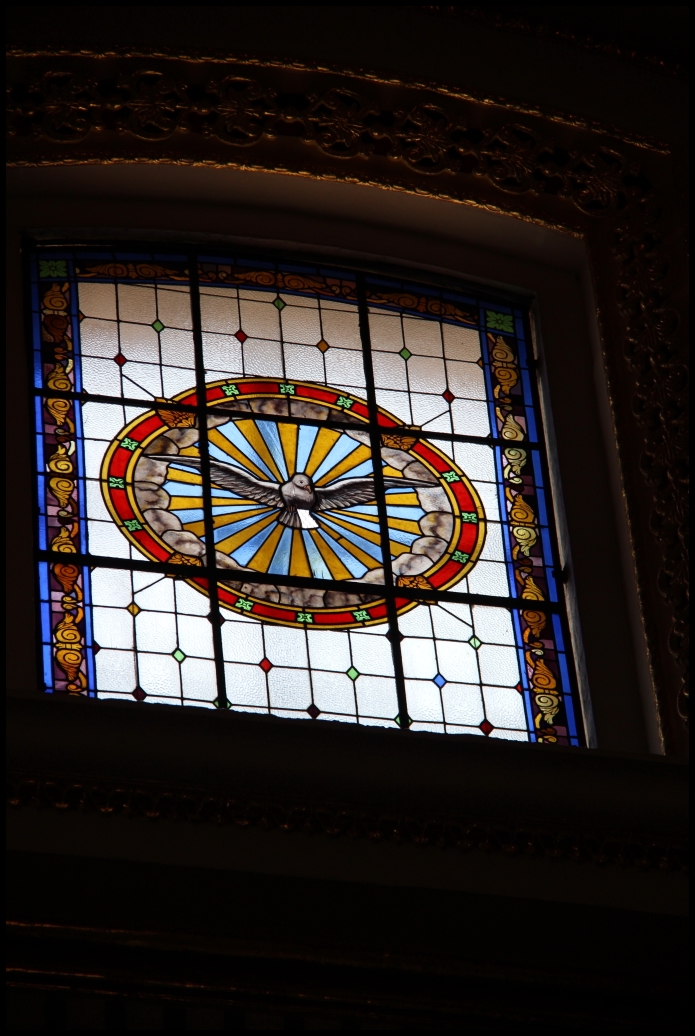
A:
(439, 680)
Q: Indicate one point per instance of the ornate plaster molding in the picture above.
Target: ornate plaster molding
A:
(64, 794)
(433, 140)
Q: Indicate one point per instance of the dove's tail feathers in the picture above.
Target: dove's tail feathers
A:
(288, 516)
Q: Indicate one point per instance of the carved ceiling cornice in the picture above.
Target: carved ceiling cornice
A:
(613, 191)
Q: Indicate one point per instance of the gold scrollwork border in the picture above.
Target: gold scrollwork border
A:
(613, 191)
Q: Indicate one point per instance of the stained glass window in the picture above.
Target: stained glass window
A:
(297, 490)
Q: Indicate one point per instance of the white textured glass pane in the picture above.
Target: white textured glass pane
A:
(397, 403)
(504, 707)
(177, 348)
(222, 352)
(464, 730)
(385, 332)
(489, 499)
(190, 601)
(164, 699)
(457, 661)
(286, 646)
(426, 374)
(195, 636)
(94, 450)
(418, 658)
(174, 308)
(115, 670)
(476, 460)
(371, 655)
(509, 735)
(489, 577)
(159, 674)
(101, 421)
(105, 539)
(423, 337)
(155, 631)
(332, 717)
(460, 611)
(245, 684)
(376, 696)
(289, 688)
(99, 338)
(301, 324)
(499, 665)
(260, 320)
(140, 344)
(432, 728)
(341, 328)
(448, 627)
(198, 679)
(141, 380)
(463, 704)
(328, 650)
(303, 362)
(344, 366)
(141, 580)
(157, 596)
(493, 549)
(493, 625)
(96, 508)
(112, 587)
(370, 721)
(333, 692)
(242, 642)
(427, 408)
(460, 343)
(424, 703)
(389, 371)
(137, 303)
(416, 622)
(219, 313)
(261, 357)
(291, 713)
(466, 379)
(470, 417)
(101, 377)
(175, 380)
(97, 300)
(113, 627)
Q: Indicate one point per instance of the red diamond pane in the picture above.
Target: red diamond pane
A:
(448, 396)
(139, 694)
(486, 727)
(313, 711)
(120, 359)
(265, 665)
(241, 336)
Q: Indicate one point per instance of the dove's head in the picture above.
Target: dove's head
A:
(302, 481)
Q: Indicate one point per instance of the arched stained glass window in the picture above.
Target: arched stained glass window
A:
(365, 454)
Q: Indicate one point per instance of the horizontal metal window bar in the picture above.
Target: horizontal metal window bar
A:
(268, 579)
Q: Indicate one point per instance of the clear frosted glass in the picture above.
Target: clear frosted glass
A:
(427, 408)
(389, 371)
(397, 403)
(155, 631)
(222, 352)
(419, 659)
(432, 728)
(463, 704)
(113, 628)
(341, 328)
(376, 696)
(106, 540)
(97, 300)
(424, 702)
(493, 549)
(99, 338)
(426, 374)
(219, 313)
(289, 688)
(303, 362)
(115, 670)
(174, 308)
(461, 343)
(260, 320)
(101, 377)
(416, 622)
(345, 367)
(493, 625)
(111, 587)
(457, 662)
(198, 679)
(190, 601)
(159, 674)
(475, 731)
(489, 498)
(470, 417)
(371, 655)
(499, 665)
(246, 685)
(195, 636)
(386, 333)
(177, 348)
(504, 707)
(286, 646)
(329, 650)
(449, 627)
(96, 507)
(175, 380)
(301, 324)
(139, 344)
(264, 358)
(242, 642)
(333, 692)
(510, 735)
(476, 460)
(489, 577)
(142, 380)
(422, 337)
(102, 421)
(137, 302)
(466, 379)
(157, 596)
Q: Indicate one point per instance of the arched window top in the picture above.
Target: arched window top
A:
(367, 456)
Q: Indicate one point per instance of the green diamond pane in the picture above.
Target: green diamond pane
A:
(353, 673)
(474, 642)
(405, 353)
(280, 304)
(178, 655)
(158, 326)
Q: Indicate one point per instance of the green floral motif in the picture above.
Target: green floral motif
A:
(469, 516)
(344, 402)
(245, 606)
(230, 390)
(287, 390)
(132, 524)
(500, 322)
(361, 616)
(450, 476)
(459, 556)
(129, 444)
(53, 268)
(116, 483)
(304, 617)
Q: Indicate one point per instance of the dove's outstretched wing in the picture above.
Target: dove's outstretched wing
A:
(351, 491)
(243, 485)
